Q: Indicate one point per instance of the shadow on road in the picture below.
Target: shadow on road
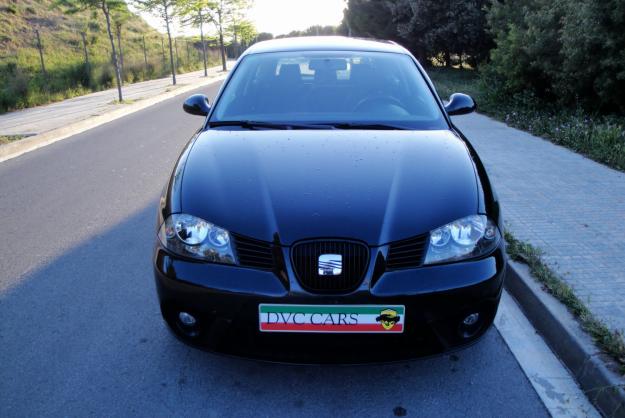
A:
(83, 336)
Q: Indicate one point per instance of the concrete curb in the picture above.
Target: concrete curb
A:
(17, 148)
(604, 388)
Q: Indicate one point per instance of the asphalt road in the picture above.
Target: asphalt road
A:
(80, 329)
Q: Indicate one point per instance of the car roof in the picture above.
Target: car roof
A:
(325, 43)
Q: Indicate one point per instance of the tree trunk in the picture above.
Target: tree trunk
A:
(203, 44)
(171, 50)
(145, 55)
(235, 41)
(163, 53)
(118, 76)
(119, 46)
(40, 48)
(176, 52)
(221, 42)
(84, 46)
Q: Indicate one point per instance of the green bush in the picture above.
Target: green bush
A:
(14, 89)
(10, 9)
(102, 76)
(568, 51)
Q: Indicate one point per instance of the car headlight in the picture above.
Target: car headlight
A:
(465, 238)
(190, 236)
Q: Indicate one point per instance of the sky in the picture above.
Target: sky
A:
(282, 16)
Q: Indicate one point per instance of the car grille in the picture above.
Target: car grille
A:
(305, 259)
(254, 253)
(407, 253)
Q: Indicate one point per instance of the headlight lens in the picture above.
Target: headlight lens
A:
(190, 236)
(465, 238)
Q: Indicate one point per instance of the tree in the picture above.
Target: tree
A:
(443, 29)
(217, 17)
(370, 19)
(164, 10)
(106, 6)
(527, 47)
(264, 36)
(224, 13)
(569, 51)
(235, 15)
(315, 30)
(120, 17)
(196, 13)
(593, 57)
(245, 31)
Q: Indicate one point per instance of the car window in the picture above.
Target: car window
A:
(331, 87)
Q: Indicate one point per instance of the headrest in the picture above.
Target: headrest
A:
(290, 72)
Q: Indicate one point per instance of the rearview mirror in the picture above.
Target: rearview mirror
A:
(460, 104)
(197, 104)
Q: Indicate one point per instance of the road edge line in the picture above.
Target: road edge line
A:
(23, 146)
(603, 387)
(551, 380)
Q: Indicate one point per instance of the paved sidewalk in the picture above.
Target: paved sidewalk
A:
(569, 206)
(42, 119)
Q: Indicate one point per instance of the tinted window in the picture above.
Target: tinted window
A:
(360, 87)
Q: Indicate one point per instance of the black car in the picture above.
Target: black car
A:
(328, 210)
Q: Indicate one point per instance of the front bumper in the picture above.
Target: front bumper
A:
(225, 300)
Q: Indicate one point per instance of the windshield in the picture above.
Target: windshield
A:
(329, 87)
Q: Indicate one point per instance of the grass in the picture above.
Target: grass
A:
(599, 137)
(5, 139)
(22, 83)
(611, 342)
(123, 102)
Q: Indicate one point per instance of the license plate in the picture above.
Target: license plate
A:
(331, 318)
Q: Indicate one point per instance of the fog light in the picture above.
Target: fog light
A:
(187, 319)
(471, 319)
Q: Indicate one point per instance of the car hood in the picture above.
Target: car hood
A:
(289, 185)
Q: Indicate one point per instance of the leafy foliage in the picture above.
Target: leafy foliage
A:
(227, 16)
(315, 30)
(442, 29)
(264, 36)
(245, 31)
(569, 51)
(165, 10)
(370, 19)
(439, 30)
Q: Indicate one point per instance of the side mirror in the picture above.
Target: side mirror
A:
(460, 104)
(197, 105)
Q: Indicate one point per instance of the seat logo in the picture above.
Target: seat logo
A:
(330, 264)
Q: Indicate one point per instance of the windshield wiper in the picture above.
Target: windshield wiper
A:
(250, 124)
(367, 126)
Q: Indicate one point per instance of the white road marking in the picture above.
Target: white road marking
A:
(552, 381)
